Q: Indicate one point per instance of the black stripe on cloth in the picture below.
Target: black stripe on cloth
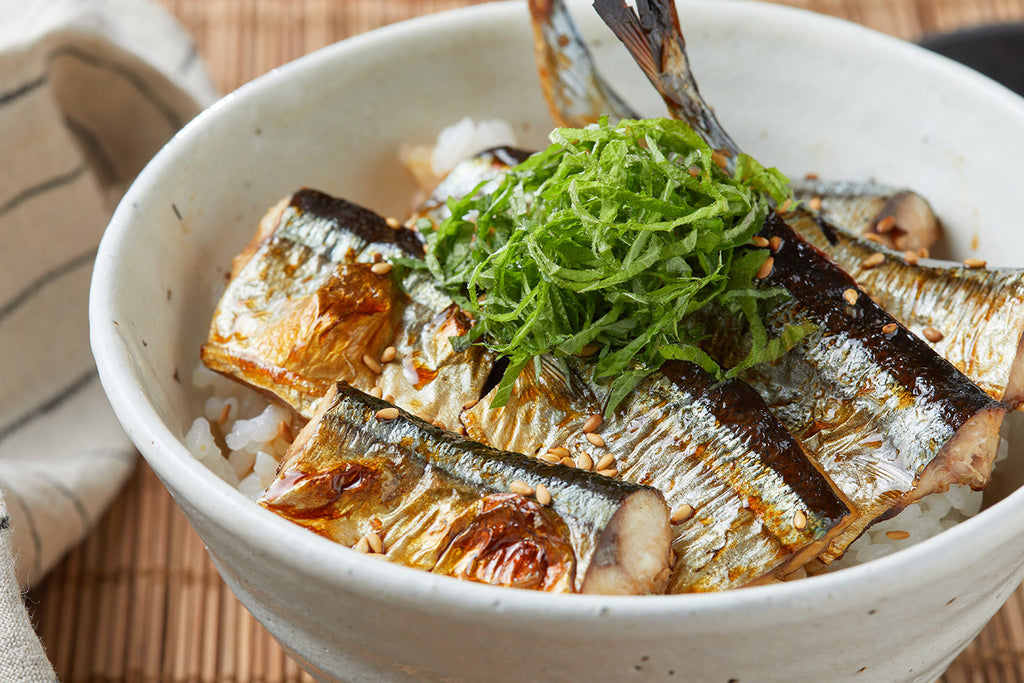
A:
(84, 259)
(94, 149)
(24, 89)
(5, 523)
(136, 80)
(59, 397)
(190, 58)
(58, 486)
(37, 565)
(43, 187)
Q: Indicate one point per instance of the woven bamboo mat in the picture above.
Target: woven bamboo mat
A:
(139, 600)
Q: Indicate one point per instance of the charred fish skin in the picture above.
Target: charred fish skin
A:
(748, 500)
(972, 317)
(440, 502)
(896, 217)
(576, 94)
(887, 419)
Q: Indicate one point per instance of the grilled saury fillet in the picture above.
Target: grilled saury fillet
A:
(747, 500)
(888, 419)
(897, 217)
(305, 308)
(439, 502)
(973, 317)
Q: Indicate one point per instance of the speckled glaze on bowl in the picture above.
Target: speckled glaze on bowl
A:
(801, 91)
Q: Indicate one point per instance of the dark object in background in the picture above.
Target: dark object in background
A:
(996, 51)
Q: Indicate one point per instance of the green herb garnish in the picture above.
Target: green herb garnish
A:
(614, 236)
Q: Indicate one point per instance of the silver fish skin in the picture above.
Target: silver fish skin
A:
(575, 92)
(888, 420)
(438, 502)
(896, 217)
(305, 309)
(972, 317)
(749, 502)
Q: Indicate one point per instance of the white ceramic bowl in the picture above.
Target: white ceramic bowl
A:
(800, 91)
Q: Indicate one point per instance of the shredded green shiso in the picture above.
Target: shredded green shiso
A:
(613, 236)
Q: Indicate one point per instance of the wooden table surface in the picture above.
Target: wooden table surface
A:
(139, 600)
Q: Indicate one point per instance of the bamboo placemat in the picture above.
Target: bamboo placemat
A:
(139, 600)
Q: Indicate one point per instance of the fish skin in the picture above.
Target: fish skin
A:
(848, 381)
(442, 503)
(859, 207)
(979, 311)
(710, 445)
(575, 92)
(885, 416)
(303, 308)
(292, 322)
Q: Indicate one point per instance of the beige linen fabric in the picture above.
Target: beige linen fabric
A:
(89, 91)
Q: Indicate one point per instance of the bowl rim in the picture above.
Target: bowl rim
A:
(335, 564)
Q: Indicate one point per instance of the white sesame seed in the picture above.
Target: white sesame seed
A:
(376, 392)
(388, 355)
(595, 439)
(393, 222)
(875, 259)
(543, 495)
(610, 472)
(758, 241)
(371, 362)
(593, 423)
(584, 461)
(766, 268)
(851, 296)
(974, 262)
(520, 487)
(897, 535)
(800, 520)
(606, 461)
(889, 328)
(886, 225)
(931, 334)
(362, 545)
(387, 413)
(682, 513)
(560, 451)
(373, 540)
(381, 268)
(775, 242)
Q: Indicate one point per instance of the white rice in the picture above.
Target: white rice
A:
(246, 448)
(459, 141)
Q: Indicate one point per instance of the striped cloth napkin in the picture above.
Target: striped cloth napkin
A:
(89, 91)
